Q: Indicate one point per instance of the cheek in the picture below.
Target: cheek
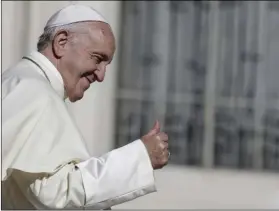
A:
(73, 69)
(77, 70)
(75, 63)
(90, 65)
(85, 65)
(82, 84)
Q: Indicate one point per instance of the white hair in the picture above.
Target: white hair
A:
(49, 33)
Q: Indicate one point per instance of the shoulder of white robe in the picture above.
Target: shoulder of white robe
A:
(40, 125)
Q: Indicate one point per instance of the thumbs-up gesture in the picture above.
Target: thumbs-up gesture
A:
(156, 143)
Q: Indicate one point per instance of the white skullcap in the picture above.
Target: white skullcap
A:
(72, 14)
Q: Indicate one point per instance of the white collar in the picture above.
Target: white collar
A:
(50, 71)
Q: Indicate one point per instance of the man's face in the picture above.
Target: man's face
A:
(85, 59)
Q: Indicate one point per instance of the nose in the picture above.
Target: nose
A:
(100, 74)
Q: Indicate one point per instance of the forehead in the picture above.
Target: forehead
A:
(100, 38)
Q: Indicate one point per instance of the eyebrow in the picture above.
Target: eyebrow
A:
(105, 57)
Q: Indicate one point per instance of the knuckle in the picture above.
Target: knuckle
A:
(166, 145)
(158, 143)
(163, 161)
(157, 138)
(163, 147)
(167, 137)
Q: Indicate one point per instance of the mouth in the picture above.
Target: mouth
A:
(88, 79)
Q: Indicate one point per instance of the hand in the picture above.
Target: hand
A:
(156, 143)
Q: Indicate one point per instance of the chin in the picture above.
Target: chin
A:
(76, 98)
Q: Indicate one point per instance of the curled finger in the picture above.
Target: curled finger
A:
(163, 145)
(162, 136)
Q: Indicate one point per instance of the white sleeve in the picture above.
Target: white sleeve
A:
(120, 176)
(98, 183)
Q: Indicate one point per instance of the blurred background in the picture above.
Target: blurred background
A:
(207, 70)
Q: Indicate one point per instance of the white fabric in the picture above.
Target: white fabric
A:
(128, 167)
(72, 14)
(41, 146)
(33, 109)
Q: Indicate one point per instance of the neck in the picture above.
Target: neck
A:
(48, 54)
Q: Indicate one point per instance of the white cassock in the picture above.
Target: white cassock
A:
(45, 163)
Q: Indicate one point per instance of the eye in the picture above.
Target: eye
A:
(97, 59)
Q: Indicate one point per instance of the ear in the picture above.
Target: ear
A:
(59, 44)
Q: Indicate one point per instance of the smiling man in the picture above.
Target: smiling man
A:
(45, 163)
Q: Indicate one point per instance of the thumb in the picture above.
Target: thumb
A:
(155, 129)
